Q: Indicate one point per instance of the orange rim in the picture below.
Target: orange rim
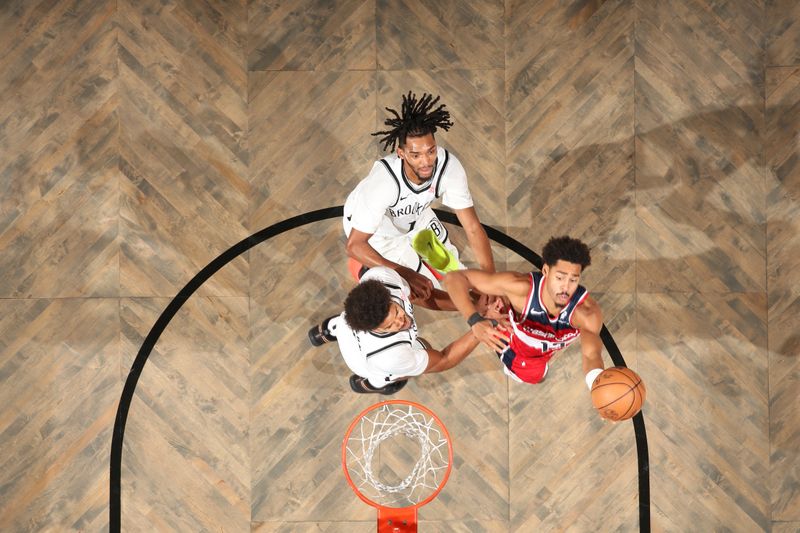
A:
(424, 410)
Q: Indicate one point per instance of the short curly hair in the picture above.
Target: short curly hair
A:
(566, 249)
(367, 305)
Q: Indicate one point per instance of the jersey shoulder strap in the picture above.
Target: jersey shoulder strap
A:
(438, 189)
(580, 295)
(534, 305)
(394, 177)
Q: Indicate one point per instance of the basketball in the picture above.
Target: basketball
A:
(618, 393)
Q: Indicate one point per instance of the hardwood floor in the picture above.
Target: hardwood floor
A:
(140, 140)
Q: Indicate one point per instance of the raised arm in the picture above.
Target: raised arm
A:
(512, 285)
(439, 300)
(451, 355)
(476, 236)
(358, 248)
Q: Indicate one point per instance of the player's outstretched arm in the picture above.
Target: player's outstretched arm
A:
(358, 248)
(439, 300)
(451, 355)
(512, 285)
(588, 318)
(477, 238)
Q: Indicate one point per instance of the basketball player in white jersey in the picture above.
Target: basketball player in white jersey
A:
(377, 334)
(392, 204)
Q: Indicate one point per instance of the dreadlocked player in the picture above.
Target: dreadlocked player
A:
(392, 204)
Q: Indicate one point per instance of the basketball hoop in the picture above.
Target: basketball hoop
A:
(397, 457)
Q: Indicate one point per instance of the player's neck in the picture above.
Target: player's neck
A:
(548, 306)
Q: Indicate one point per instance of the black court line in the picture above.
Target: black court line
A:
(640, 433)
(115, 492)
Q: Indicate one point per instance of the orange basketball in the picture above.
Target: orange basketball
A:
(618, 393)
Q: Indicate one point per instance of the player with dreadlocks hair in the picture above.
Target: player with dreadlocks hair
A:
(416, 119)
(388, 221)
(388, 217)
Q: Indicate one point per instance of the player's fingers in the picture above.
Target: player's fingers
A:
(492, 341)
(503, 321)
(492, 345)
(499, 334)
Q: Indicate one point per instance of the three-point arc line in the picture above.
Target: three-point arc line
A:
(115, 493)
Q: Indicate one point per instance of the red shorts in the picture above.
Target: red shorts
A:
(528, 369)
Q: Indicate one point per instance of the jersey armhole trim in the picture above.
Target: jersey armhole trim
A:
(581, 299)
(532, 293)
(438, 189)
(396, 181)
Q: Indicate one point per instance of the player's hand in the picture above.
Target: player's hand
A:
(494, 338)
(493, 308)
(506, 302)
(421, 287)
(482, 303)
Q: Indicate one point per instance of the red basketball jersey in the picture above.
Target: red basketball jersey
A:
(535, 336)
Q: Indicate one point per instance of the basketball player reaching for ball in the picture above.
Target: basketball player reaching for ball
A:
(548, 311)
(389, 207)
(377, 334)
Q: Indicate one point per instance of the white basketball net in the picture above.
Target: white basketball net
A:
(386, 422)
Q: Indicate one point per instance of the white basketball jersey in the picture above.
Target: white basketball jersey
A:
(383, 357)
(386, 202)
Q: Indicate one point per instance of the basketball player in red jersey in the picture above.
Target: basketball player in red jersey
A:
(548, 311)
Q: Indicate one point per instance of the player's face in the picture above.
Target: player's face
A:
(561, 281)
(419, 154)
(396, 320)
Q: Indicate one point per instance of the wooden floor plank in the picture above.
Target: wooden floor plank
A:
(139, 140)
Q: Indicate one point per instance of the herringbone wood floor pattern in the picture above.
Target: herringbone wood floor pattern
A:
(139, 140)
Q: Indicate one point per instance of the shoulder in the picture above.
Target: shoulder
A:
(441, 151)
(387, 276)
(519, 281)
(384, 170)
(454, 166)
(588, 315)
(379, 184)
(402, 358)
(518, 278)
(509, 283)
(346, 336)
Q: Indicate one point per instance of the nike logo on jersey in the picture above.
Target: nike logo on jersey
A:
(403, 197)
(350, 218)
